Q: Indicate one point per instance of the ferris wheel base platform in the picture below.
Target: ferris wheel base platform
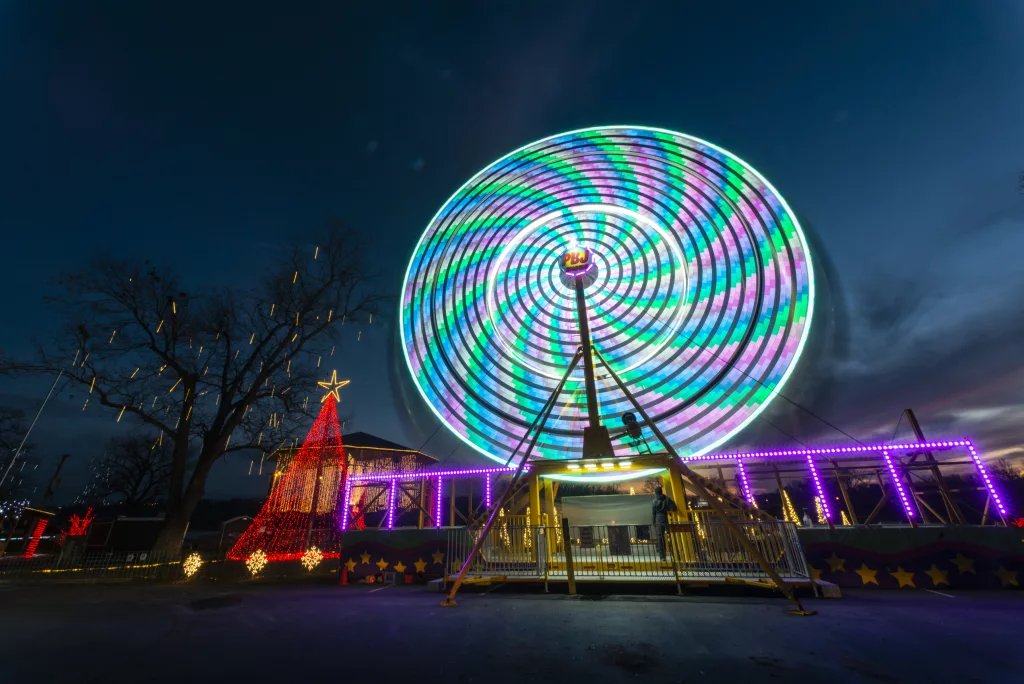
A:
(820, 588)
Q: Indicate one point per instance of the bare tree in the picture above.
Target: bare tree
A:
(12, 430)
(211, 373)
(135, 470)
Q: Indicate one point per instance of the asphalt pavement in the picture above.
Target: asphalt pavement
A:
(99, 634)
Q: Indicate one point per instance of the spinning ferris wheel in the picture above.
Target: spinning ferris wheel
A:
(688, 268)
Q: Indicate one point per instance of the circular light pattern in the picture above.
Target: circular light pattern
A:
(701, 298)
(192, 564)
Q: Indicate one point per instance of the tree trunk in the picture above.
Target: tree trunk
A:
(172, 534)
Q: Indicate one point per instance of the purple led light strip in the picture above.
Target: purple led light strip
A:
(437, 502)
(413, 474)
(907, 507)
(391, 504)
(345, 506)
(880, 448)
(988, 482)
(825, 451)
(487, 491)
(745, 484)
(826, 511)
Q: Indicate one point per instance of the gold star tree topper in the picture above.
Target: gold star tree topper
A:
(332, 386)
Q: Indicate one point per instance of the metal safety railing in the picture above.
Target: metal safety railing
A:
(699, 548)
(93, 565)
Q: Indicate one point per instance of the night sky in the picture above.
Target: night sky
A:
(208, 135)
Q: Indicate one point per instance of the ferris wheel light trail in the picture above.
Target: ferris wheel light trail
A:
(700, 291)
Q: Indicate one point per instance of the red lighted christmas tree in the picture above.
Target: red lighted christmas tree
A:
(302, 510)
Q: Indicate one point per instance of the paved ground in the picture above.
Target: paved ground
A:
(399, 635)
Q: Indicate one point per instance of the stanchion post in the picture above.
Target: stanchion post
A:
(570, 571)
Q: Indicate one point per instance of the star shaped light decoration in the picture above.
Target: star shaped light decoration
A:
(365, 557)
(438, 556)
(867, 575)
(836, 563)
(938, 576)
(400, 567)
(421, 565)
(1008, 578)
(905, 578)
(332, 386)
(350, 565)
(382, 564)
(963, 564)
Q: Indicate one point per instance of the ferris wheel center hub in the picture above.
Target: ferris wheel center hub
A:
(578, 265)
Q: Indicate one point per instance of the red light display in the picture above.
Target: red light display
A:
(37, 534)
(302, 510)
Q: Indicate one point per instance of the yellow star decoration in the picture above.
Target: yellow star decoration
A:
(815, 572)
(438, 557)
(421, 565)
(1008, 578)
(332, 386)
(365, 557)
(938, 576)
(906, 579)
(400, 567)
(963, 564)
(351, 565)
(382, 564)
(867, 575)
(836, 563)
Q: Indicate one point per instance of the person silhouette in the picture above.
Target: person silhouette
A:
(661, 507)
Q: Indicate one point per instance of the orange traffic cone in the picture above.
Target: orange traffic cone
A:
(344, 576)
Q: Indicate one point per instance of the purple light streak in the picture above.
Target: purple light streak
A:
(391, 504)
(345, 504)
(413, 474)
(745, 483)
(437, 502)
(487, 491)
(907, 506)
(988, 482)
(828, 451)
(826, 511)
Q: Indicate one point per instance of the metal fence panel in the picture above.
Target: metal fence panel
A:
(700, 548)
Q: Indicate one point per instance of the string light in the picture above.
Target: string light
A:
(788, 510)
(312, 558)
(120, 414)
(303, 507)
(819, 511)
(160, 327)
(37, 534)
(256, 562)
(134, 372)
(192, 564)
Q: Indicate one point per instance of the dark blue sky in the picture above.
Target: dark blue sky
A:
(208, 134)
